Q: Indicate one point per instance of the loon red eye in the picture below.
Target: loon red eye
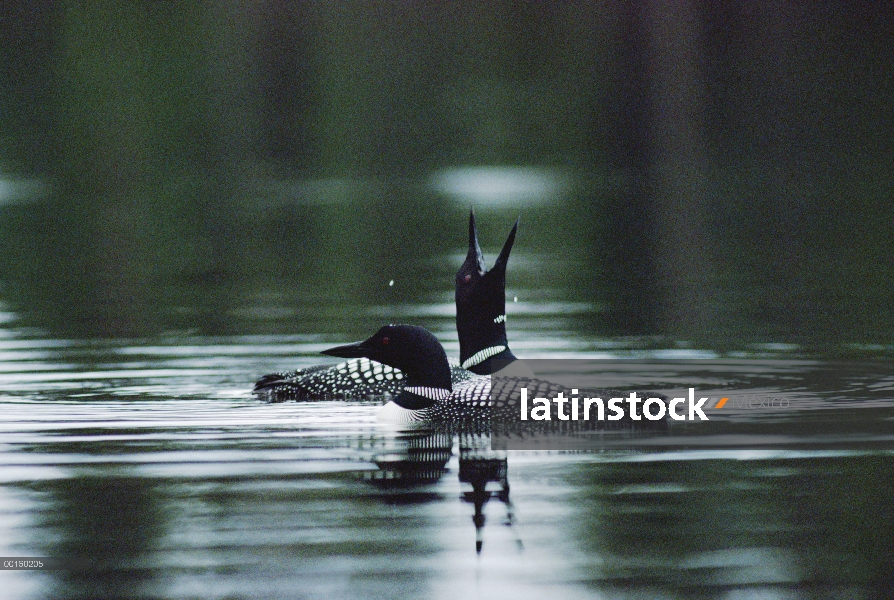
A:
(468, 278)
(385, 341)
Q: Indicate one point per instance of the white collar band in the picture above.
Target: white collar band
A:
(483, 355)
(429, 392)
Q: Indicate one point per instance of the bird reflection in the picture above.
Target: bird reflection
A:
(419, 458)
(412, 459)
(479, 465)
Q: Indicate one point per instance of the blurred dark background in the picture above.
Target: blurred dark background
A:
(719, 173)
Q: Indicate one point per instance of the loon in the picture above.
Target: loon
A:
(480, 323)
(428, 393)
(480, 297)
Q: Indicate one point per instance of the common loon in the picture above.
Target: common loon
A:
(480, 297)
(428, 393)
(480, 323)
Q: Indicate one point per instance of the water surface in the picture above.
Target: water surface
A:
(151, 458)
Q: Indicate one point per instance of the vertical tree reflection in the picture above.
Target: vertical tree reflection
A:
(114, 523)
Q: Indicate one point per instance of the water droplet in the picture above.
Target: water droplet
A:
(391, 283)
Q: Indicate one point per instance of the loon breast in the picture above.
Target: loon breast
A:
(394, 413)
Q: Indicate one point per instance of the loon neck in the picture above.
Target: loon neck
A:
(481, 339)
(426, 366)
(489, 360)
(427, 381)
(414, 397)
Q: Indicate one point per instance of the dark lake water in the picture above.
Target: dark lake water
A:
(150, 457)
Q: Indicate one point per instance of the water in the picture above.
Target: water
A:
(151, 457)
(129, 435)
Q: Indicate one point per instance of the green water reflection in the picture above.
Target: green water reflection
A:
(719, 181)
(820, 526)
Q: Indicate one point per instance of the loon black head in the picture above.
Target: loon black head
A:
(481, 305)
(414, 350)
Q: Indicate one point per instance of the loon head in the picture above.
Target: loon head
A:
(414, 350)
(481, 301)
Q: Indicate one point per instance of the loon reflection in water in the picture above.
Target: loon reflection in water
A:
(420, 459)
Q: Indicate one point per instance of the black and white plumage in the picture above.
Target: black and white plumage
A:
(480, 322)
(357, 378)
(429, 395)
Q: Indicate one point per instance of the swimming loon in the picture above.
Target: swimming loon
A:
(428, 393)
(480, 323)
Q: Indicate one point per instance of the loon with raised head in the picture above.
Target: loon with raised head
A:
(480, 297)
(428, 393)
(480, 323)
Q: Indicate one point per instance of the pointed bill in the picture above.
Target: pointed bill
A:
(474, 256)
(503, 259)
(355, 350)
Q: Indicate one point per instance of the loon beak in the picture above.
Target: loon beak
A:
(507, 248)
(355, 350)
(474, 256)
